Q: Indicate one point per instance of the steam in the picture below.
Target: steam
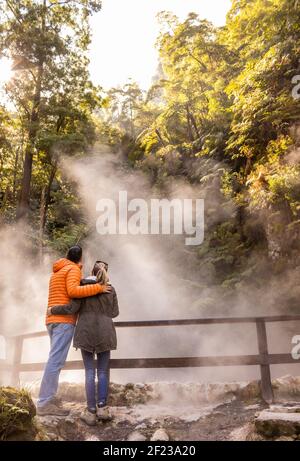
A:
(23, 282)
(155, 276)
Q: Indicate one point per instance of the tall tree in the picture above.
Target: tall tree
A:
(40, 36)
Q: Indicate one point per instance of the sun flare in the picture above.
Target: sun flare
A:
(5, 70)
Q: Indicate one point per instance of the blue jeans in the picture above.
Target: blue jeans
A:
(90, 378)
(61, 335)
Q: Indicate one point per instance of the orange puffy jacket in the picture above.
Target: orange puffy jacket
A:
(64, 285)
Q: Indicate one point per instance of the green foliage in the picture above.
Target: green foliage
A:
(67, 236)
(265, 37)
(54, 101)
(224, 93)
(219, 114)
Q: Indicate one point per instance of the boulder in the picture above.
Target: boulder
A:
(136, 436)
(17, 412)
(287, 387)
(276, 424)
(249, 392)
(160, 435)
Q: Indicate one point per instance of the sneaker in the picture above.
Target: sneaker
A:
(103, 413)
(51, 409)
(88, 417)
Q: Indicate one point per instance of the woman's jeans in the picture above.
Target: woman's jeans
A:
(61, 335)
(90, 378)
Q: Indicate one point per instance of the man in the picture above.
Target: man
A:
(64, 285)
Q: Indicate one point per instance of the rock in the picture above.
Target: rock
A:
(141, 426)
(153, 422)
(70, 420)
(252, 407)
(66, 428)
(241, 433)
(192, 393)
(49, 421)
(254, 437)
(160, 435)
(276, 424)
(286, 387)
(131, 397)
(284, 438)
(193, 417)
(136, 436)
(119, 394)
(130, 386)
(17, 412)
(52, 436)
(139, 385)
(216, 413)
(92, 438)
(284, 409)
(250, 391)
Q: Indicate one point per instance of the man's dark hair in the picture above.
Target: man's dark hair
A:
(74, 254)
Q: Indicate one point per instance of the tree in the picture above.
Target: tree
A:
(265, 36)
(43, 39)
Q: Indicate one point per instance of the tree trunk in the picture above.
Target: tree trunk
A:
(42, 225)
(193, 120)
(189, 126)
(160, 137)
(45, 201)
(23, 206)
(33, 128)
(14, 191)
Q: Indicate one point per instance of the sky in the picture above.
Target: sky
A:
(124, 35)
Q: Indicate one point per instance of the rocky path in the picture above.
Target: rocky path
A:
(212, 423)
(182, 412)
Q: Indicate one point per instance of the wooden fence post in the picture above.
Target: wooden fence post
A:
(266, 383)
(14, 354)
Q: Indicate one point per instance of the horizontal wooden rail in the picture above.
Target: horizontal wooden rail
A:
(174, 362)
(263, 359)
(182, 322)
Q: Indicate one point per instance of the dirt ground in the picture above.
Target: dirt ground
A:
(216, 423)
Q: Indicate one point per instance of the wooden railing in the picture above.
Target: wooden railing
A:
(264, 359)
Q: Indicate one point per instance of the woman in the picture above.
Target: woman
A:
(94, 334)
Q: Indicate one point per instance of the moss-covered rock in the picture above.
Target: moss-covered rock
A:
(17, 412)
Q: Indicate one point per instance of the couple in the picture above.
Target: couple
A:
(96, 302)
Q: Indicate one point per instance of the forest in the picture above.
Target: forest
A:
(222, 113)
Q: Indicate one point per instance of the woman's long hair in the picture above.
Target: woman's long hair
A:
(99, 271)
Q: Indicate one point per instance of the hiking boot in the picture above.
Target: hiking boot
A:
(88, 417)
(103, 413)
(57, 401)
(51, 409)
